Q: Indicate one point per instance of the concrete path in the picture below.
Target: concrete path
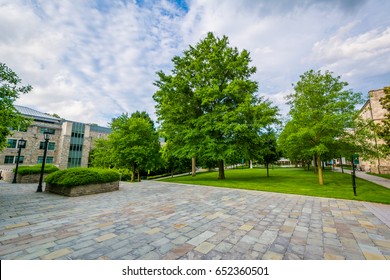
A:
(156, 220)
(372, 178)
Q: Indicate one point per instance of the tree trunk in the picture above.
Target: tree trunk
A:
(320, 173)
(221, 170)
(193, 166)
(133, 172)
(250, 164)
(341, 164)
(139, 175)
(267, 165)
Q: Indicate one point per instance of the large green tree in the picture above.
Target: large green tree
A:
(322, 112)
(10, 89)
(133, 144)
(207, 106)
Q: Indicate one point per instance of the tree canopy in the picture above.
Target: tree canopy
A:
(322, 112)
(133, 144)
(10, 89)
(207, 106)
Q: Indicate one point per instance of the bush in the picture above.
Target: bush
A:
(36, 169)
(82, 176)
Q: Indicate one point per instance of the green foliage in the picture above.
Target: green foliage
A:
(133, 145)
(9, 92)
(207, 106)
(81, 176)
(322, 112)
(36, 169)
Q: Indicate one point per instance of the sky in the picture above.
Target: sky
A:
(92, 60)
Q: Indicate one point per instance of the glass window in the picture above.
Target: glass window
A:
(11, 143)
(47, 130)
(48, 159)
(21, 159)
(9, 160)
(50, 146)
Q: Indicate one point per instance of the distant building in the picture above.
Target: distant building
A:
(69, 145)
(374, 110)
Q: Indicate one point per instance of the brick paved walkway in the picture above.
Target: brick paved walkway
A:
(155, 220)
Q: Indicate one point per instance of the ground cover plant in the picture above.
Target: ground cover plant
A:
(82, 176)
(292, 181)
(36, 169)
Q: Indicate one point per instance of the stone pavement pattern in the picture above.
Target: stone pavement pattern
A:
(155, 220)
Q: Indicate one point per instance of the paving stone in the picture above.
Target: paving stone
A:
(57, 254)
(105, 237)
(182, 222)
(201, 237)
(204, 247)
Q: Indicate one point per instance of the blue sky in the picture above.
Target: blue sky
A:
(90, 61)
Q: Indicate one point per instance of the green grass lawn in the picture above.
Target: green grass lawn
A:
(292, 181)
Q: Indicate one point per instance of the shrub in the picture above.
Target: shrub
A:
(82, 176)
(36, 169)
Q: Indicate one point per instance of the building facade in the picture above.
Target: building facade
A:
(69, 145)
(373, 110)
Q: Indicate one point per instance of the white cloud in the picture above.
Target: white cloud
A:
(90, 61)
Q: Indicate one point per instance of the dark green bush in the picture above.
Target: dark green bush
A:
(36, 169)
(82, 176)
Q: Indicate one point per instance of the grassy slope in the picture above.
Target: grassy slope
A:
(292, 181)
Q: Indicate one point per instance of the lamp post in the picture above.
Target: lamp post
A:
(21, 144)
(46, 137)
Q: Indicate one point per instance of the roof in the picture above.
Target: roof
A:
(36, 115)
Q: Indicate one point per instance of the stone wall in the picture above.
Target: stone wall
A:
(373, 110)
(83, 190)
(8, 176)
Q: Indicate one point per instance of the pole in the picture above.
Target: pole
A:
(353, 178)
(39, 189)
(17, 162)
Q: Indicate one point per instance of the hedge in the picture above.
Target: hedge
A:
(36, 169)
(82, 176)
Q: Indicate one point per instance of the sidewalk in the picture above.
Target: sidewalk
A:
(157, 220)
(363, 175)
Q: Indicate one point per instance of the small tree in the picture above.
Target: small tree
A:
(134, 143)
(322, 111)
(10, 89)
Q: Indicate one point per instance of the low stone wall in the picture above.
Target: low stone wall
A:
(8, 176)
(83, 190)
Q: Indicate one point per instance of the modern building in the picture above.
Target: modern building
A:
(69, 145)
(374, 110)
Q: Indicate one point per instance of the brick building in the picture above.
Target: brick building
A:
(69, 145)
(373, 110)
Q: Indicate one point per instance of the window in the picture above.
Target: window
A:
(50, 146)
(11, 143)
(48, 159)
(75, 147)
(9, 159)
(47, 130)
(21, 159)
